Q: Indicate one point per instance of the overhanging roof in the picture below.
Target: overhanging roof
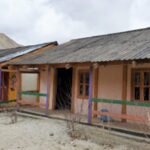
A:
(11, 53)
(130, 45)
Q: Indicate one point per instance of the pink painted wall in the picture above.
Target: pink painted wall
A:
(43, 86)
(29, 83)
(110, 82)
(110, 86)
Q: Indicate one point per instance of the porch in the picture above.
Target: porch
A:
(133, 128)
(103, 80)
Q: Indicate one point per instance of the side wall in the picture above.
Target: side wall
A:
(110, 79)
(110, 84)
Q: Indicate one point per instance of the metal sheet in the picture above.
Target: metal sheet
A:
(128, 45)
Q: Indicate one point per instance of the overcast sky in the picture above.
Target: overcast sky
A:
(37, 21)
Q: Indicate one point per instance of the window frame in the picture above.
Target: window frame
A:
(83, 96)
(141, 84)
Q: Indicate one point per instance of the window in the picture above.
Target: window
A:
(83, 86)
(141, 85)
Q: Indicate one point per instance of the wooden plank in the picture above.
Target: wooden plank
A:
(124, 89)
(29, 71)
(6, 102)
(122, 116)
(129, 103)
(90, 95)
(74, 79)
(1, 84)
(18, 87)
(26, 103)
(8, 70)
(95, 88)
(38, 86)
(54, 88)
(32, 93)
(48, 89)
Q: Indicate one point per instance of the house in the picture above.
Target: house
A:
(8, 78)
(113, 67)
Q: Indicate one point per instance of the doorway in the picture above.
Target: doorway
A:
(63, 89)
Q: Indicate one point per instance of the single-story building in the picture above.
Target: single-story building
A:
(8, 78)
(114, 67)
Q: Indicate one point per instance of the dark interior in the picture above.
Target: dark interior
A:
(63, 91)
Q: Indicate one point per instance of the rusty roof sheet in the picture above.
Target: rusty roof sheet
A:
(130, 45)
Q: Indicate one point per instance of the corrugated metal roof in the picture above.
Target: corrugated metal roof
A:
(8, 54)
(128, 45)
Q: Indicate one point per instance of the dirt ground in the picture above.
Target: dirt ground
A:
(47, 134)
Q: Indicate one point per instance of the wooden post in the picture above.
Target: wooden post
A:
(48, 89)
(90, 96)
(74, 76)
(18, 88)
(95, 88)
(124, 90)
(38, 86)
(0, 84)
(54, 82)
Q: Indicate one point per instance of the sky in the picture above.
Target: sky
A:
(39, 21)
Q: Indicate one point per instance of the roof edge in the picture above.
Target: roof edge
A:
(114, 33)
(44, 44)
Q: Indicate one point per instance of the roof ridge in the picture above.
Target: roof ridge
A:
(114, 33)
(23, 46)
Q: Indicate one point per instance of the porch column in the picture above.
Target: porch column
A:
(48, 89)
(95, 87)
(90, 96)
(54, 83)
(38, 86)
(0, 83)
(124, 89)
(74, 79)
(18, 88)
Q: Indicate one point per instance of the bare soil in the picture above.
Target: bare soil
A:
(47, 134)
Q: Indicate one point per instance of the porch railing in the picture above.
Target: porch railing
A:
(32, 93)
(121, 116)
(124, 102)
